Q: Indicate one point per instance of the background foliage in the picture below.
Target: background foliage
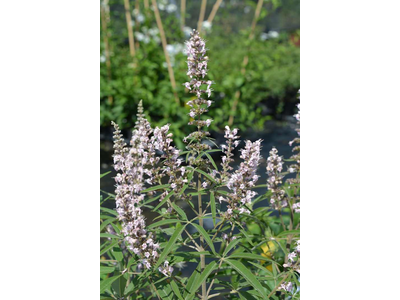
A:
(267, 89)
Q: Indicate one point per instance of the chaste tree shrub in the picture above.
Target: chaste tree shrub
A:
(244, 252)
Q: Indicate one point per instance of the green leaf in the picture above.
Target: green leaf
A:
(106, 283)
(246, 295)
(262, 268)
(250, 256)
(112, 245)
(206, 175)
(157, 187)
(250, 278)
(288, 232)
(211, 160)
(175, 289)
(171, 243)
(204, 275)
(248, 238)
(162, 222)
(107, 235)
(106, 222)
(231, 245)
(113, 212)
(104, 174)
(164, 200)
(179, 211)
(206, 237)
(213, 207)
(152, 199)
(192, 279)
(129, 289)
(106, 270)
(213, 150)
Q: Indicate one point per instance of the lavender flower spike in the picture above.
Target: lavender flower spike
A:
(243, 180)
(274, 181)
(132, 166)
(197, 70)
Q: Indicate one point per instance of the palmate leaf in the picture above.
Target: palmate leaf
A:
(250, 278)
(178, 230)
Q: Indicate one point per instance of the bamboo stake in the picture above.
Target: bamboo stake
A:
(245, 60)
(146, 4)
(137, 23)
(104, 18)
(202, 13)
(214, 10)
(183, 12)
(164, 44)
(129, 27)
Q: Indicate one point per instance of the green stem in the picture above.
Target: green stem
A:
(202, 256)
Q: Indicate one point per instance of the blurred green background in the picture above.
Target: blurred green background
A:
(254, 61)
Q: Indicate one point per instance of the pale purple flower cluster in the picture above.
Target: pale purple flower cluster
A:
(228, 238)
(294, 263)
(137, 165)
(295, 168)
(274, 181)
(294, 258)
(166, 269)
(176, 173)
(287, 286)
(197, 70)
(232, 142)
(131, 165)
(243, 180)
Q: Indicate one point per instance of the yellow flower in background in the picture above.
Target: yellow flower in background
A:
(268, 249)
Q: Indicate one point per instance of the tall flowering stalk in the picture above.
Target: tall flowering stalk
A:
(172, 167)
(243, 180)
(132, 163)
(232, 142)
(197, 69)
(274, 181)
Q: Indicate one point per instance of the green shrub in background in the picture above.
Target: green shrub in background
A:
(267, 88)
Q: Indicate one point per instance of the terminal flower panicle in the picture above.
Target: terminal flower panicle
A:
(243, 180)
(197, 69)
(274, 181)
